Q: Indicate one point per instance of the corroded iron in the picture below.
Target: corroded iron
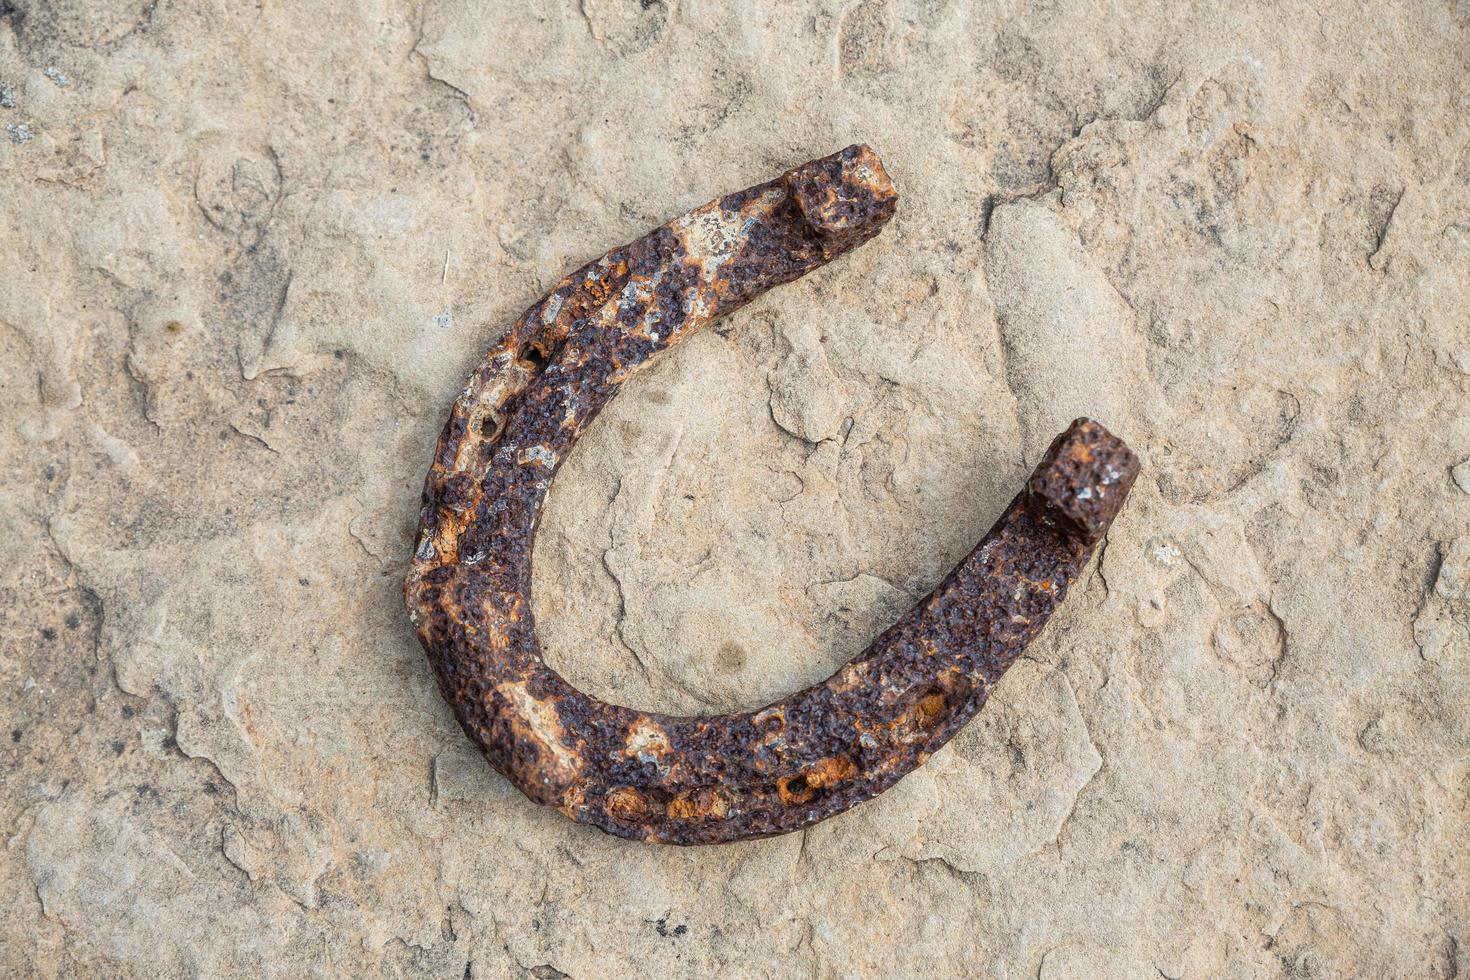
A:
(700, 780)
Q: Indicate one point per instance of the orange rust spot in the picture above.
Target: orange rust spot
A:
(830, 772)
(803, 787)
(446, 538)
(683, 808)
(626, 803)
(929, 710)
(699, 804)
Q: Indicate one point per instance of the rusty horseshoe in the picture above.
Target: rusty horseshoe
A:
(711, 779)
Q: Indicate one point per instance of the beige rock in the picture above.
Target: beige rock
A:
(249, 252)
(1461, 473)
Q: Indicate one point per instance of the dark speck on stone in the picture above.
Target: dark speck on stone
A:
(662, 928)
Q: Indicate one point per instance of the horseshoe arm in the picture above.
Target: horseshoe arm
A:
(697, 780)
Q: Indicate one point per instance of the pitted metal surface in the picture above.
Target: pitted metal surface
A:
(710, 779)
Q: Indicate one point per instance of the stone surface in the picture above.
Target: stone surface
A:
(249, 252)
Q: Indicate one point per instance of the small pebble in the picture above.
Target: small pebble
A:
(7, 98)
(56, 76)
(1461, 475)
(19, 133)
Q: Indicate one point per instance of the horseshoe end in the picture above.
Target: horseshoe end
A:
(1083, 479)
(845, 198)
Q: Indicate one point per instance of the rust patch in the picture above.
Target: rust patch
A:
(704, 803)
(830, 772)
(821, 750)
(627, 804)
(929, 710)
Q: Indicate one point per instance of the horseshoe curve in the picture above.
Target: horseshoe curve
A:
(711, 779)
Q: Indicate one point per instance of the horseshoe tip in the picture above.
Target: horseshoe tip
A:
(1084, 478)
(845, 198)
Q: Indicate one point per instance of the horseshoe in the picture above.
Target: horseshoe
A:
(711, 779)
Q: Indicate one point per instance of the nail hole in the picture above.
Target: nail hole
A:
(794, 790)
(533, 357)
(626, 803)
(491, 426)
(930, 710)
